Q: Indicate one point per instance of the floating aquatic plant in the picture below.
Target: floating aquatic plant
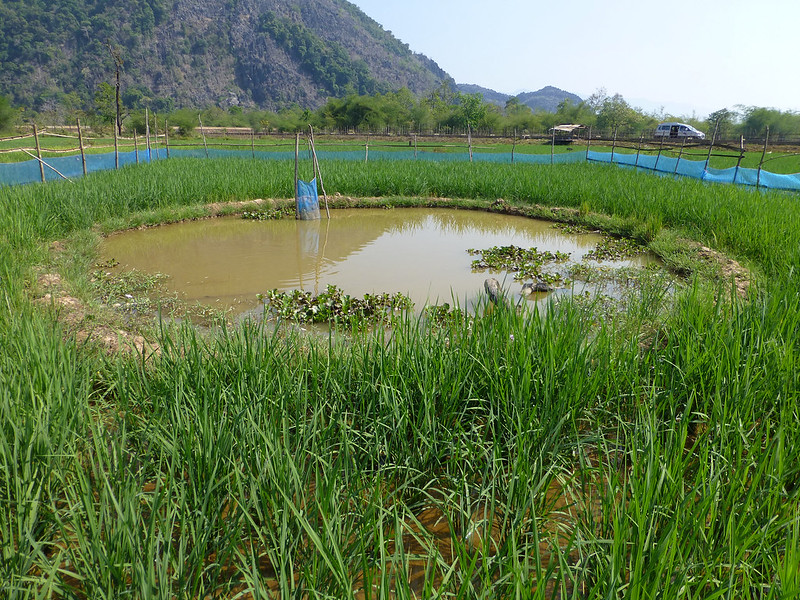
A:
(524, 263)
(614, 248)
(270, 214)
(334, 306)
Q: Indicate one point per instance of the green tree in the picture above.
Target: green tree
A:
(616, 114)
(722, 121)
(105, 104)
(580, 113)
(7, 114)
(519, 117)
(471, 110)
(757, 119)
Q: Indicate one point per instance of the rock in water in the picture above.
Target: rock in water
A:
(492, 287)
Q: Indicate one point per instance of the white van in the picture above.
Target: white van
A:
(678, 130)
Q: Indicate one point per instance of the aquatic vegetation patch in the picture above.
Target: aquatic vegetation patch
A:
(615, 248)
(574, 228)
(334, 306)
(129, 290)
(523, 263)
(268, 214)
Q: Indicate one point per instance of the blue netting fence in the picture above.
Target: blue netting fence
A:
(71, 166)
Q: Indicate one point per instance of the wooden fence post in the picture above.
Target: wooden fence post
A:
(763, 155)
(166, 136)
(318, 171)
(38, 152)
(614, 144)
(147, 133)
(203, 131)
(155, 133)
(741, 156)
(638, 150)
(588, 141)
(711, 145)
(80, 142)
(513, 145)
(658, 156)
(116, 146)
(680, 153)
(296, 173)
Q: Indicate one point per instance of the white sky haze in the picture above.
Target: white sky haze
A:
(685, 55)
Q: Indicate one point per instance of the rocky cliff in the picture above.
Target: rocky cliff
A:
(264, 53)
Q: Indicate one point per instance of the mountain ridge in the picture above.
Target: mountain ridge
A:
(251, 53)
(547, 98)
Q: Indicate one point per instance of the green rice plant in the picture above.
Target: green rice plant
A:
(644, 449)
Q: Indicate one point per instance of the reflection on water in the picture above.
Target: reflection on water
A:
(421, 252)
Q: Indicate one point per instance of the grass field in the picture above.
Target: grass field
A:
(588, 451)
(785, 160)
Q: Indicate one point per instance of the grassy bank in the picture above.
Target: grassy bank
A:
(583, 452)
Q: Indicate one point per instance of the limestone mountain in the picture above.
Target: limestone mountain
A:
(173, 53)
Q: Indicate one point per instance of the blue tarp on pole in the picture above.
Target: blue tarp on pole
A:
(307, 200)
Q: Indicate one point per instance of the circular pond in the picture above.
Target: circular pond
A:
(420, 252)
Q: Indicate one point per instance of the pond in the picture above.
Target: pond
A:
(421, 252)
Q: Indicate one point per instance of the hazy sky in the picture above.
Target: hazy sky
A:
(685, 55)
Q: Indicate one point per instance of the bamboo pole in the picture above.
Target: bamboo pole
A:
(415, 146)
(680, 153)
(296, 173)
(513, 145)
(155, 133)
(166, 136)
(588, 142)
(366, 150)
(553, 145)
(741, 156)
(658, 156)
(469, 141)
(38, 152)
(253, 142)
(614, 144)
(147, 133)
(711, 145)
(638, 150)
(136, 145)
(318, 171)
(83, 152)
(763, 155)
(43, 164)
(116, 146)
(203, 131)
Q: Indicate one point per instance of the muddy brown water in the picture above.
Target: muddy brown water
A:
(420, 252)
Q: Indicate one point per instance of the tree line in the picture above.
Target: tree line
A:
(443, 110)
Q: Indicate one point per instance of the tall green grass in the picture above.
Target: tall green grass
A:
(575, 453)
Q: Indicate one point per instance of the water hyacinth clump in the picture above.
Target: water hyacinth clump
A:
(334, 306)
(523, 263)
(615, 248)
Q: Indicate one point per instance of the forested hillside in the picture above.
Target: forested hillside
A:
(252, 53)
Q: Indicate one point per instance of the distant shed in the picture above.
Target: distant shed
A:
(565, 134)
